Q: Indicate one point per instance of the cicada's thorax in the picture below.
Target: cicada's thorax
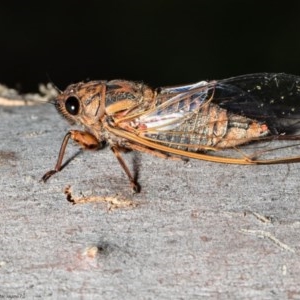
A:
(123, 98)
(122, 95)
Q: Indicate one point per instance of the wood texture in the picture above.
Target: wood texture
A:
(197, 229)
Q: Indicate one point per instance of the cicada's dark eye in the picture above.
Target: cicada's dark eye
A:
(72, 105)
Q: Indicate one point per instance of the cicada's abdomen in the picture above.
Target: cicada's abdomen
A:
(210, 126)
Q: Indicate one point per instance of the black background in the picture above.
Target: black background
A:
(159, 42)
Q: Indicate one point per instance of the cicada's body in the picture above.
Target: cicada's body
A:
(238, 120)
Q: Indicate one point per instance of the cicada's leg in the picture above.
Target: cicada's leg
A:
(84, 139)
(134, 185)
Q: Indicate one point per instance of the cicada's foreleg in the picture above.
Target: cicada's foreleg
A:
(86, 140)
(135, 186)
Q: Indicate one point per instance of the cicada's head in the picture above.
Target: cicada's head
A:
(82, 103)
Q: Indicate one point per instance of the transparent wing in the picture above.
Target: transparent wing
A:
(267, 97)
(175, 105)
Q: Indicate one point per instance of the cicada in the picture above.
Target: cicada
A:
(245, 120)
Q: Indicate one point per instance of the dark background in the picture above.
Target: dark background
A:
(158, 42)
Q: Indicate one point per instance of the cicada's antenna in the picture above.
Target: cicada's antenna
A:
(53, 84)
(52, 95)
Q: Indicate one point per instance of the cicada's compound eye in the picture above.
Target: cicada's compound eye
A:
(72, 105)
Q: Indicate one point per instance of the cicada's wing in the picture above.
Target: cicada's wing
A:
(175, 105)
(228, 116)
(267, 97)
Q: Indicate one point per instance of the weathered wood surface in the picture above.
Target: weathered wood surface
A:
(198, 228)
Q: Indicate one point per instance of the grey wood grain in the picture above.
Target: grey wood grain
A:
(197, 231)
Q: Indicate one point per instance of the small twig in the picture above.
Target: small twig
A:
(260, 217)
(268, 235)
(113, 202)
